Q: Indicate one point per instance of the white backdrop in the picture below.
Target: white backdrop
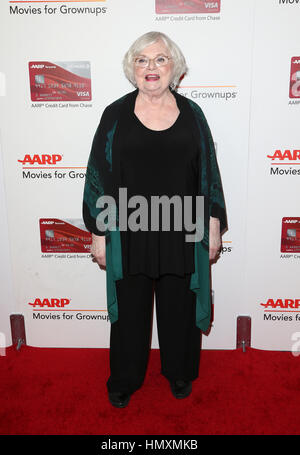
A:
(7, 301)
(239, 57)
(272, 274)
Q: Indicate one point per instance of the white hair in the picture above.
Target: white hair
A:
(179, 64)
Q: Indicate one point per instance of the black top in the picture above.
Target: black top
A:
(158, 163)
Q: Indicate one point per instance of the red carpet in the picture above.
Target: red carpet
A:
(63, 391)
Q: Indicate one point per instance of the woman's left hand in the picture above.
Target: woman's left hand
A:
(215, 242)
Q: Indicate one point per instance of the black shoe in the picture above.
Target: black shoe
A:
(119, 399)
(180, 388)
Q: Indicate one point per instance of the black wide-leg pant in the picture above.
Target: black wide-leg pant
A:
(130, 336)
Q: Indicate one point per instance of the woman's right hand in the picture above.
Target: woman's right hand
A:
(98, 250)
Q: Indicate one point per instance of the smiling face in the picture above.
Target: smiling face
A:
(152, 79)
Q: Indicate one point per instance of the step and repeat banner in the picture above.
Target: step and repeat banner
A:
(273, 212)
(62, 65)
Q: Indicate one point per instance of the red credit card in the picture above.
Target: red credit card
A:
(60, 81)
(188, 6)
(290, 235)
(64, 236)
(295, 78)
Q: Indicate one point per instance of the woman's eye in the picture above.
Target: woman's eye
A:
(141, 60)
(161, 59)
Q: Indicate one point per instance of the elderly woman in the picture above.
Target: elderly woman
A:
(154, 142)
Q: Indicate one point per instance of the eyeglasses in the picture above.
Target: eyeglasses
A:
(143, 62)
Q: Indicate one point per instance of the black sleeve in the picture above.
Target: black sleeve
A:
(97, 174)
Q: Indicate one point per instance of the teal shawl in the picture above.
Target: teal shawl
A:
(103, 178)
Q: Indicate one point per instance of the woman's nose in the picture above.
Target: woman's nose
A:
(151, 64)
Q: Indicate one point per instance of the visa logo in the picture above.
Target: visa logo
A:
(211, 5)
(83, 93)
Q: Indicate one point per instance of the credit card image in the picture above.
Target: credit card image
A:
(187, 6)
(64, 236)
(295, 78)
(290, 235)
(60, 81)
